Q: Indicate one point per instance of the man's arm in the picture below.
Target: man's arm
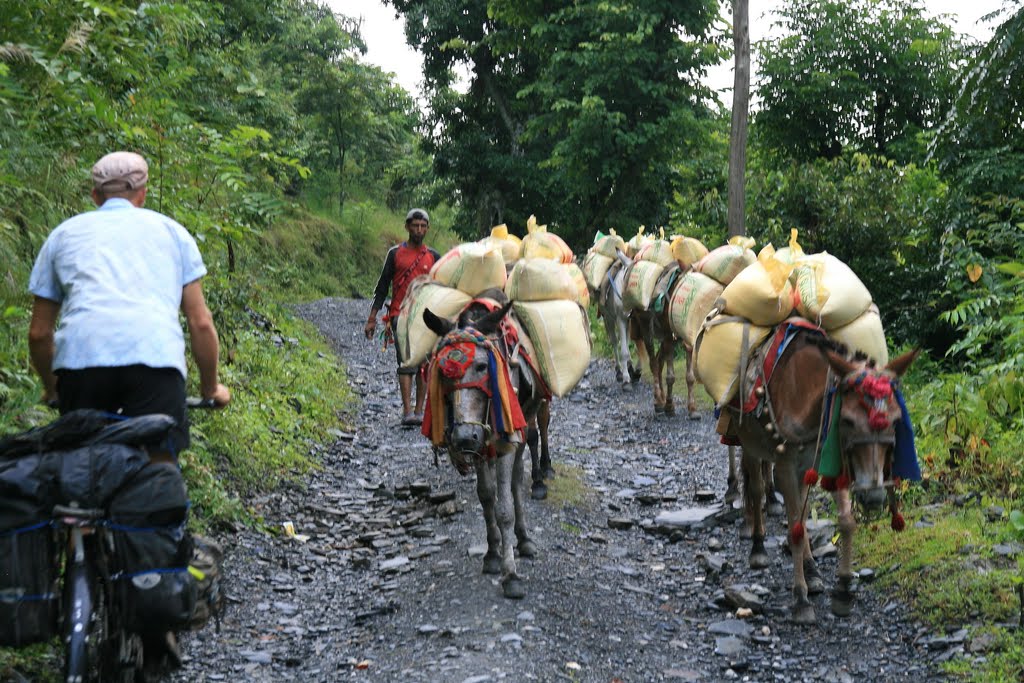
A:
(380, 292)
(41, 348)
(205, 345)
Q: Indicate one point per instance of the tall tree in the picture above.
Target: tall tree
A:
(871, 74)
(740, 112)
(574, 110)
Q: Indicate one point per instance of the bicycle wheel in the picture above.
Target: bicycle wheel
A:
(77, 632)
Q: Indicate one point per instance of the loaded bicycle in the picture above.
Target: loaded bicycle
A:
(93, 546)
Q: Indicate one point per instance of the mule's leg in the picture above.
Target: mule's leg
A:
(525, 546)
(486, 482)
(543, 423)
(691, 381)
(752, 517)
(668, 352)
(642, 356)
(792, 489)
(612, 325)
(538, 491)
(842, 596)
(504, 466)
(732, 491)
(771, 502)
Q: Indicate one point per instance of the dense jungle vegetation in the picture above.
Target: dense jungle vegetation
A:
(882, 135)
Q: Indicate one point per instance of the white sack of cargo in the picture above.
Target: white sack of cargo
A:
(471, 267)
(687, 250)
(691, 301)
(560, 335)
(725, 262)
(721, 347)
(582, 289)
(638, 287)
(540, 280)
(607, 245)
(828, 292)
(509, 245)
(637, 242)
(761, 292)
(657, 251)
(414, 339)
(595, 267)
(539, 243)
(865, 334)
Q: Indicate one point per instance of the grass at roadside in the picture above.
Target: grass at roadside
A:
(945, 567)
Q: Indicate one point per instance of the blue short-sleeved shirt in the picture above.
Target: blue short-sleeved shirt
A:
(118, 273)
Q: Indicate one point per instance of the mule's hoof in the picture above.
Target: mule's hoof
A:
(527, 548)
(513, 588)
(492, 564)
(815, 585)
(539, 491)
(670, 410)
(842, 603)
(759, 561)
(804, 614)
(694, 415)
(658, 410)
(618, 376)
(634, 374)
(549, 472)
(626, 386)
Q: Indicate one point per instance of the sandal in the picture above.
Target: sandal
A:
(410, 420)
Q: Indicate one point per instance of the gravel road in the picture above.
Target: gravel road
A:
(388, 587)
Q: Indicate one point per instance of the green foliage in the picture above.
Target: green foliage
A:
(981, 143)
(574, 111)
(864, 75)
(949, 575)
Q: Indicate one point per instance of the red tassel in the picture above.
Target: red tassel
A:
(796, 534)
(810, 477)
(843, 481)
(828, 483)
(896, 481)
(898, 523)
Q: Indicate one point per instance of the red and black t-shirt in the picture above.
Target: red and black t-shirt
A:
(402, 265)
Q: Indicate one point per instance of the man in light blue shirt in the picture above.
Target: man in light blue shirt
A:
(117, 278)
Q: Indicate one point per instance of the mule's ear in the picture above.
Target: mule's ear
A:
(840, 365)
(437, 325)
(899, 365)
(489, 323)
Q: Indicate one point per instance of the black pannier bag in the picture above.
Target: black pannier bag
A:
(152, 549)
(28, 557)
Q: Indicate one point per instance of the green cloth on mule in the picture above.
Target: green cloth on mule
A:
(830, 460)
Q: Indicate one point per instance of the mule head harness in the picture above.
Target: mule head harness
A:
(873, 392)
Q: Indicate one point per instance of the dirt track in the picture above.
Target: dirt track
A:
(388, 586)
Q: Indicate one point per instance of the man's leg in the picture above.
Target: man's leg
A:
(421, 394)
(405, 384)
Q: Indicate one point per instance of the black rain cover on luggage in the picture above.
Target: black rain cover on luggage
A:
(89, 476)
(152, 550)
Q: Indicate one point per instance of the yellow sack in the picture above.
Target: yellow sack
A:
(606, 246)
(828, 292)
(638, 289)
(414, 338)
(687, 250)
(540, 280)
(539, 243)
(794, 252)
(865, 334)
(691, 300)
(595, 267)
(559, 333)
(582, 290)
(761, 292)
(471, 267)
(637, 242)
(725, 262)
(509, 245)
(656, 251)
(721, 347)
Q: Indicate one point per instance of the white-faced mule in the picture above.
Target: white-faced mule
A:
(477, 409)
(822, 414)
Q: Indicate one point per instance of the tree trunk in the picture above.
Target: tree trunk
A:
(740, 107)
